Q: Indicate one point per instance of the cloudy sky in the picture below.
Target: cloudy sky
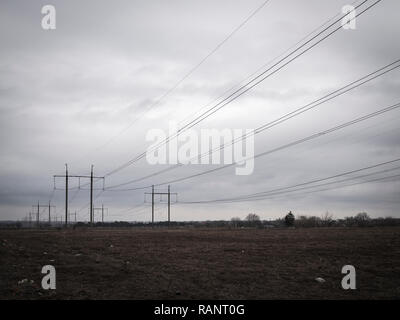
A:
(89, 91)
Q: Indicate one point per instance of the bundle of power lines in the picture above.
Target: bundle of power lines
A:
(307, 43)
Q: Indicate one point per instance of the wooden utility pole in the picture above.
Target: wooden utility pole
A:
(161, 194)
(91, 195)
(37, 214)
(71, 214)
(102, 209)
(152, 205)
(50, 206)
(38, 206)
(169, 204)
(91, 177)
(66, 194)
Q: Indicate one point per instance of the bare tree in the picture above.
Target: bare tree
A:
(327, 219)
(362, 219)
(253, 219)
(235, 221)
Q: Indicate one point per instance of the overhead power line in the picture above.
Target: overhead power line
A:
(156, 103)
(298, 111)
(248, 77)
(307, 183)
(283, 194)
(285, 146)
(250, 84)
(271, 61)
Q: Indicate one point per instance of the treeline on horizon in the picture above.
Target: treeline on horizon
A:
(251, 221)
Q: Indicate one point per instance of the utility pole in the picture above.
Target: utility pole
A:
(49, 213)
(66, 194)
(37, 214)
(169, 204)
(91, 195)
(38, 206)
(102, 209)
(91, 177)
(69, 215)
(161, 194)
(152, 205)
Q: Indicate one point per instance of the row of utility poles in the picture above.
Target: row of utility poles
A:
(37, 214)
(92, 209)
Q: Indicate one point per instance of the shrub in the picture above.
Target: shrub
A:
(289, 219)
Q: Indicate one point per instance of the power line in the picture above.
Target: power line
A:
(74, 196)
(237, 85)
(140, 211)
(139, 206)
(382, 179)
(285, 193)
(282, 189)
(252, 85)
(245, 21)
(87, 205)
(249, 85)
(189, 73)
(333, 182)
(298, 111)
(285, 146)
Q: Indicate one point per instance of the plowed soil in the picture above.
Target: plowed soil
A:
(137, 263)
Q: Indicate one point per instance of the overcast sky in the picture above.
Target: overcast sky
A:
(66, 95)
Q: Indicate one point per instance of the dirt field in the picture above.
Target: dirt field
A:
(201, 264)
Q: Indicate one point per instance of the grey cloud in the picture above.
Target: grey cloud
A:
(64, 93)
